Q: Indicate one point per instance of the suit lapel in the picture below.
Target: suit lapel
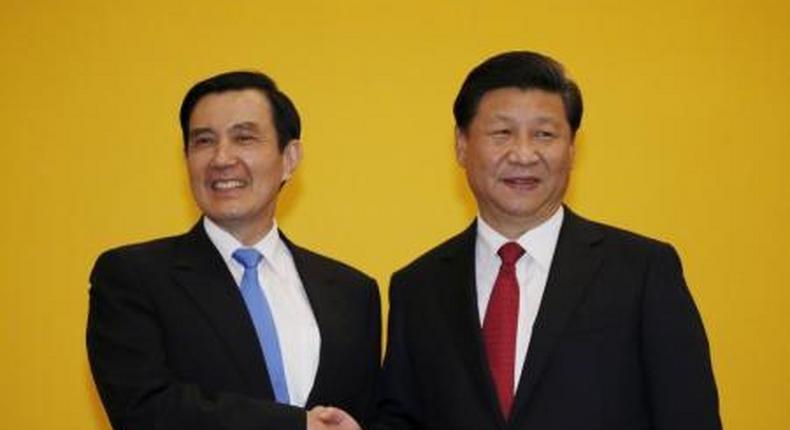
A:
(576, 261)
(458, 297)
(317, 287)
(200, 270)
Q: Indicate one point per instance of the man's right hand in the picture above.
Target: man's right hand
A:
(330, 418)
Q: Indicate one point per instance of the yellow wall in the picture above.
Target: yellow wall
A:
(686, 138)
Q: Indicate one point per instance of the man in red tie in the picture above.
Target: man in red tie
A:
(535, 318)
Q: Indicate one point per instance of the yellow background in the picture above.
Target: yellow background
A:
(685, 138)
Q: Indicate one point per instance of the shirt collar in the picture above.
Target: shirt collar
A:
(538, 242)
(270, 246)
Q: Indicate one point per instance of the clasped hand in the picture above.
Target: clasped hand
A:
(330, 418)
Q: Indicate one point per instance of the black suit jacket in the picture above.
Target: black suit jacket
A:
(617, 343)
(171, 344)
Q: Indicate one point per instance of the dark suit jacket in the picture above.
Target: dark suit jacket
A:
(617, 343)
(171, 344)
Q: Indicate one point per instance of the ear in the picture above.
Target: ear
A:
(572, 150)
(460, 146)
(292, 155)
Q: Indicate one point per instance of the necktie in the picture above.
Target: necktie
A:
(261, 315)
(500, 324)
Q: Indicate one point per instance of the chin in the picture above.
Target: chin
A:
(521, 210)
(226, 215)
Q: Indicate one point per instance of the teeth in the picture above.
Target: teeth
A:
(521, 181)
(226, 185)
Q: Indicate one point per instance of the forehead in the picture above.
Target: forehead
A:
(517, 103)
(231, 107)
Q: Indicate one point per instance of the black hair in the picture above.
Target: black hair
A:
(284, 114)
(520, 69)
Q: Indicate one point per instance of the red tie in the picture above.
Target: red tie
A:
(500, 324)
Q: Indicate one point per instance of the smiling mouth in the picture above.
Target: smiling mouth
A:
(227, 184)
(522, 181)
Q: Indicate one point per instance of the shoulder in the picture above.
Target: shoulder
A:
(610, 232)
(326, 267)
(615, 242)
(149, 254)
(329, 265)
(153, 249)
(453, 250)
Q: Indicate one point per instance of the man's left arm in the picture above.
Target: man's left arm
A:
(681, 388)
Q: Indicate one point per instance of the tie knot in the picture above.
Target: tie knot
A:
(510, 252)
(248, 257)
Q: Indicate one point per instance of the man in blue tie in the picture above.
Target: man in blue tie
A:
(231, 325)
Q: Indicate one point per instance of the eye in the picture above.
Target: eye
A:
(545, 135)
(500, 133)
(246, 138)
(201, 141)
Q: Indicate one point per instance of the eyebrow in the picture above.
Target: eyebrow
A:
(200, 130)
(537, 120)
(503, 117)
(246, 125)
(546, 120)
(540, 120)
(242, 126)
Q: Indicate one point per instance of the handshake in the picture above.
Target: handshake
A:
(330, 418)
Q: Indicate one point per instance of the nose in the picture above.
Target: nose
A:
(523, 150)
(223, 154)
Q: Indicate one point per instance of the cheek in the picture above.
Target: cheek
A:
(194, 171)
(478, 172)
(561, 161)
(266, 170)
(483, 162)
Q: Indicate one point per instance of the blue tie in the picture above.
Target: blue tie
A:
(261, 314)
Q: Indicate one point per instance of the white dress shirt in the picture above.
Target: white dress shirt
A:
(532, 271)
(297, 330)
